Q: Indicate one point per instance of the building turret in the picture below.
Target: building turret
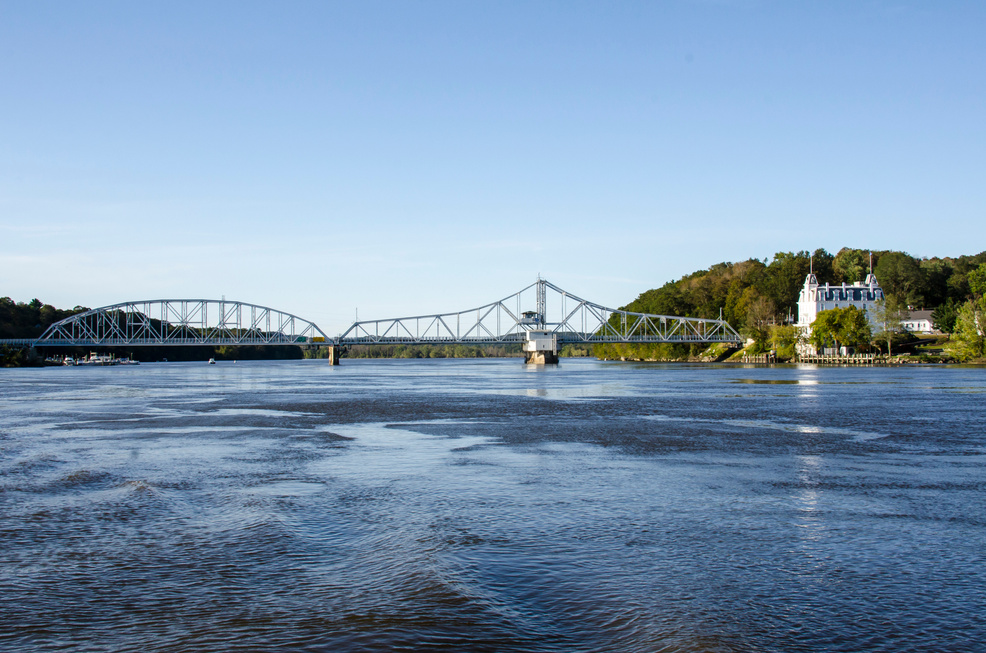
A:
(806, 299)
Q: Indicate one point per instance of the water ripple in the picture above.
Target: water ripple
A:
(481, 506)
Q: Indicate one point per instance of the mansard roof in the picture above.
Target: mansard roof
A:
(852, 293)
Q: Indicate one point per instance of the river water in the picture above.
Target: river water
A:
(481, 505)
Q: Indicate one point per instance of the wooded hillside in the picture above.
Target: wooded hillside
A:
(753, 291)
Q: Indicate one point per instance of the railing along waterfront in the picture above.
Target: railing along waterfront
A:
(851, 359)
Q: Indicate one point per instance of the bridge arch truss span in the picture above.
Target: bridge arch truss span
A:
(541, 306)
(173, 322)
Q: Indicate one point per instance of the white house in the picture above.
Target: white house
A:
(919, 322)
(815, 298)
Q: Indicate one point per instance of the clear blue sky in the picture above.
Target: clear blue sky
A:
(413, 157)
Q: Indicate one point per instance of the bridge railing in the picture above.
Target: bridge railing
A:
(17, 342)
(125, 342)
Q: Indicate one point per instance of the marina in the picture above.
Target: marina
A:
(93, 359)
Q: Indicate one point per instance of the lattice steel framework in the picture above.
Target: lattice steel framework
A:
(161, 322)
(571, 318)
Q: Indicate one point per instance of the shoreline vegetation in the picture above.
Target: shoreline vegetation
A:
(758, 298)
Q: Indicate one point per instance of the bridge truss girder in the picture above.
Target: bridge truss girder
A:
(175, 322)
(571, 318)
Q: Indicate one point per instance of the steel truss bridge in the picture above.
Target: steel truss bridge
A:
(540, 308)
(181, 322)
(569, 318)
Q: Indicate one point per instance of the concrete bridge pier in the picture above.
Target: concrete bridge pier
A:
(335, 353)
(541, 348)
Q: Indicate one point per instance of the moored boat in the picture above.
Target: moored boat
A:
(98, 359)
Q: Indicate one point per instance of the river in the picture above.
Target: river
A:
(481, 505)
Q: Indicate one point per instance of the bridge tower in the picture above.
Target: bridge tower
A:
(540, 344)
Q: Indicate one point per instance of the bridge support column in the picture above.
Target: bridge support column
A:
(541, 357)
(541, 348)
(334, 354)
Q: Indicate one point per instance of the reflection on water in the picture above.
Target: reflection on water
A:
(771, 381)
(489, 506)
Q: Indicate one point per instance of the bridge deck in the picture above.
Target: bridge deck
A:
(220, 342)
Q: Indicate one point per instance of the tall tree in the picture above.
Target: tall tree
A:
(977, 281)
(944, 316)
(850, 265)
(889, 314)
(899, 276)
(822, 263)
(935, 273)
(968, 341)
(759, 316)
(783, 279)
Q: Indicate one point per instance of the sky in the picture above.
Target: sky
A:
(383, 159)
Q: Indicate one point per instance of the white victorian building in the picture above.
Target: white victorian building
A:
(816, 298)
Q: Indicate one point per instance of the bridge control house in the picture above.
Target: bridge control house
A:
(815, 298)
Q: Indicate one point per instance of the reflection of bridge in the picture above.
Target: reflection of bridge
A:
(526, 317)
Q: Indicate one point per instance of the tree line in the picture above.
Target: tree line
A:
(30, 319)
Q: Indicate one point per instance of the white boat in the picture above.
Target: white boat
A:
(212, 361)
(98, 359)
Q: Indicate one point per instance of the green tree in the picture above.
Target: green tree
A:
(944, 316)
(666, 300)
(968, 343)
(935, 274)
(825, 329)
(847, 327)
(856, 330)
(784, 339)
(759, 316)
(850, 265)
(783, 279)
(977, 281)
(900, 277)
(889, 313)
(958, 281)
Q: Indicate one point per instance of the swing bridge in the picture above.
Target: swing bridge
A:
(541, 317)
